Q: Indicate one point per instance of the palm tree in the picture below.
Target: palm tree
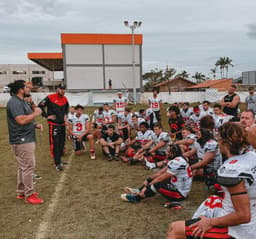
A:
(199, 77)
(183, 75)
(221, 63)
(228, 63)
(213, 71)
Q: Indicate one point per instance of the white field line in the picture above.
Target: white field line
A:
(43, 228)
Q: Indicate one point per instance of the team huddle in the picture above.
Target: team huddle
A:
(215, 144)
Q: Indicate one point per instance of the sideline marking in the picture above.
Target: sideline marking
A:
(44, 225)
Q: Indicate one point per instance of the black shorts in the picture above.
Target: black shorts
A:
(78, 145)
(215, 232)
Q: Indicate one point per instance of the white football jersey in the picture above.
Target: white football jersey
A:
(149, 112)
(124, 119)
(182, 172)
(195, 119)
(79, 124)
(206, 112)
(120, 104)
(163, 136)
(154, 103)
(98, 117)
(241, 166)
(210, 146)
(211, 207)
(144, 138)
(221, 119)
(108, 116)
(186, 114)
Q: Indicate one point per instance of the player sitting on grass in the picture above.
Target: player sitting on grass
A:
(79, 128)
(111, 142)
(156, 156)
(123, 126)
(173, 181)
(138, 146)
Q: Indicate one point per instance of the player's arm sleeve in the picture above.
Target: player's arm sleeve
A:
(42, 106)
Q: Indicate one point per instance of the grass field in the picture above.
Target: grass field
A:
(88, 204)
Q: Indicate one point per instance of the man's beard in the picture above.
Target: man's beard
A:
(26, 94)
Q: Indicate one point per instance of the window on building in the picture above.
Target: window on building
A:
(3, 72)
(19, 72)
(38, 72)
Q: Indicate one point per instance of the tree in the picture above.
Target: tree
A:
(223, 63)
(199, 77)
(228, 63)
(213, 71)
(183, 74)
(153, 77)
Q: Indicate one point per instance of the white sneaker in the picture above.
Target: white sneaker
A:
(131, 190)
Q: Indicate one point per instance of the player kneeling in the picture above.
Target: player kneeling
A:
(79, 128)
(173, 181)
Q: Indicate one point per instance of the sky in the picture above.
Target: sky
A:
(184, 34)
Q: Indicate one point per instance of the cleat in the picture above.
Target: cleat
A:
(130, 198)
(59, 167)
(134, 191)
(21, 196)
(92, 154)
(116, 157)
(34, 199)
(110, 157)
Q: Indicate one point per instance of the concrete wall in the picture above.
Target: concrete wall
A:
(92, 66)
(7, 76)
(90, 98)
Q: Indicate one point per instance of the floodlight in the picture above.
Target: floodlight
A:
(126, 23)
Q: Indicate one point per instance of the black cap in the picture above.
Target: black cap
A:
(61, 86)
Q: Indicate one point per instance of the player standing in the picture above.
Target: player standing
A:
(155, 103)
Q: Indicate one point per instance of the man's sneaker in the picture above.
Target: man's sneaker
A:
(110, 157)
(59, 167)
(34, 199)
(92, 154)
(130, 198)
(150, 165)
(22, 196)
(116, 157)
(134, 191)
(36, 177)
(63, 163)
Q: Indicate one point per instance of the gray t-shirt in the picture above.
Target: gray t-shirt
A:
(251, 102)
(19, 134)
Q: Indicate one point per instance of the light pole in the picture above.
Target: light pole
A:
(133, 26)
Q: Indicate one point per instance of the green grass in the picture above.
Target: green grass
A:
(90, 204)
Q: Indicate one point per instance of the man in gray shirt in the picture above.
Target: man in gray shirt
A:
(250, 100)
(21, 125)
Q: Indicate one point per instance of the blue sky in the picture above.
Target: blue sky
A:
(185, 34)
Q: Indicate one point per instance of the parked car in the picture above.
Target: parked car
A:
(6, 89)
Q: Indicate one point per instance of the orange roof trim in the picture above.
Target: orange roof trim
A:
(45, 55)
(121, 39)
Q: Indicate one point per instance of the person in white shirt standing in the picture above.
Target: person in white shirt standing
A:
(155, 103)
(120, 102)
(80, 127)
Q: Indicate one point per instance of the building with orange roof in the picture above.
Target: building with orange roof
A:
(220, 85)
